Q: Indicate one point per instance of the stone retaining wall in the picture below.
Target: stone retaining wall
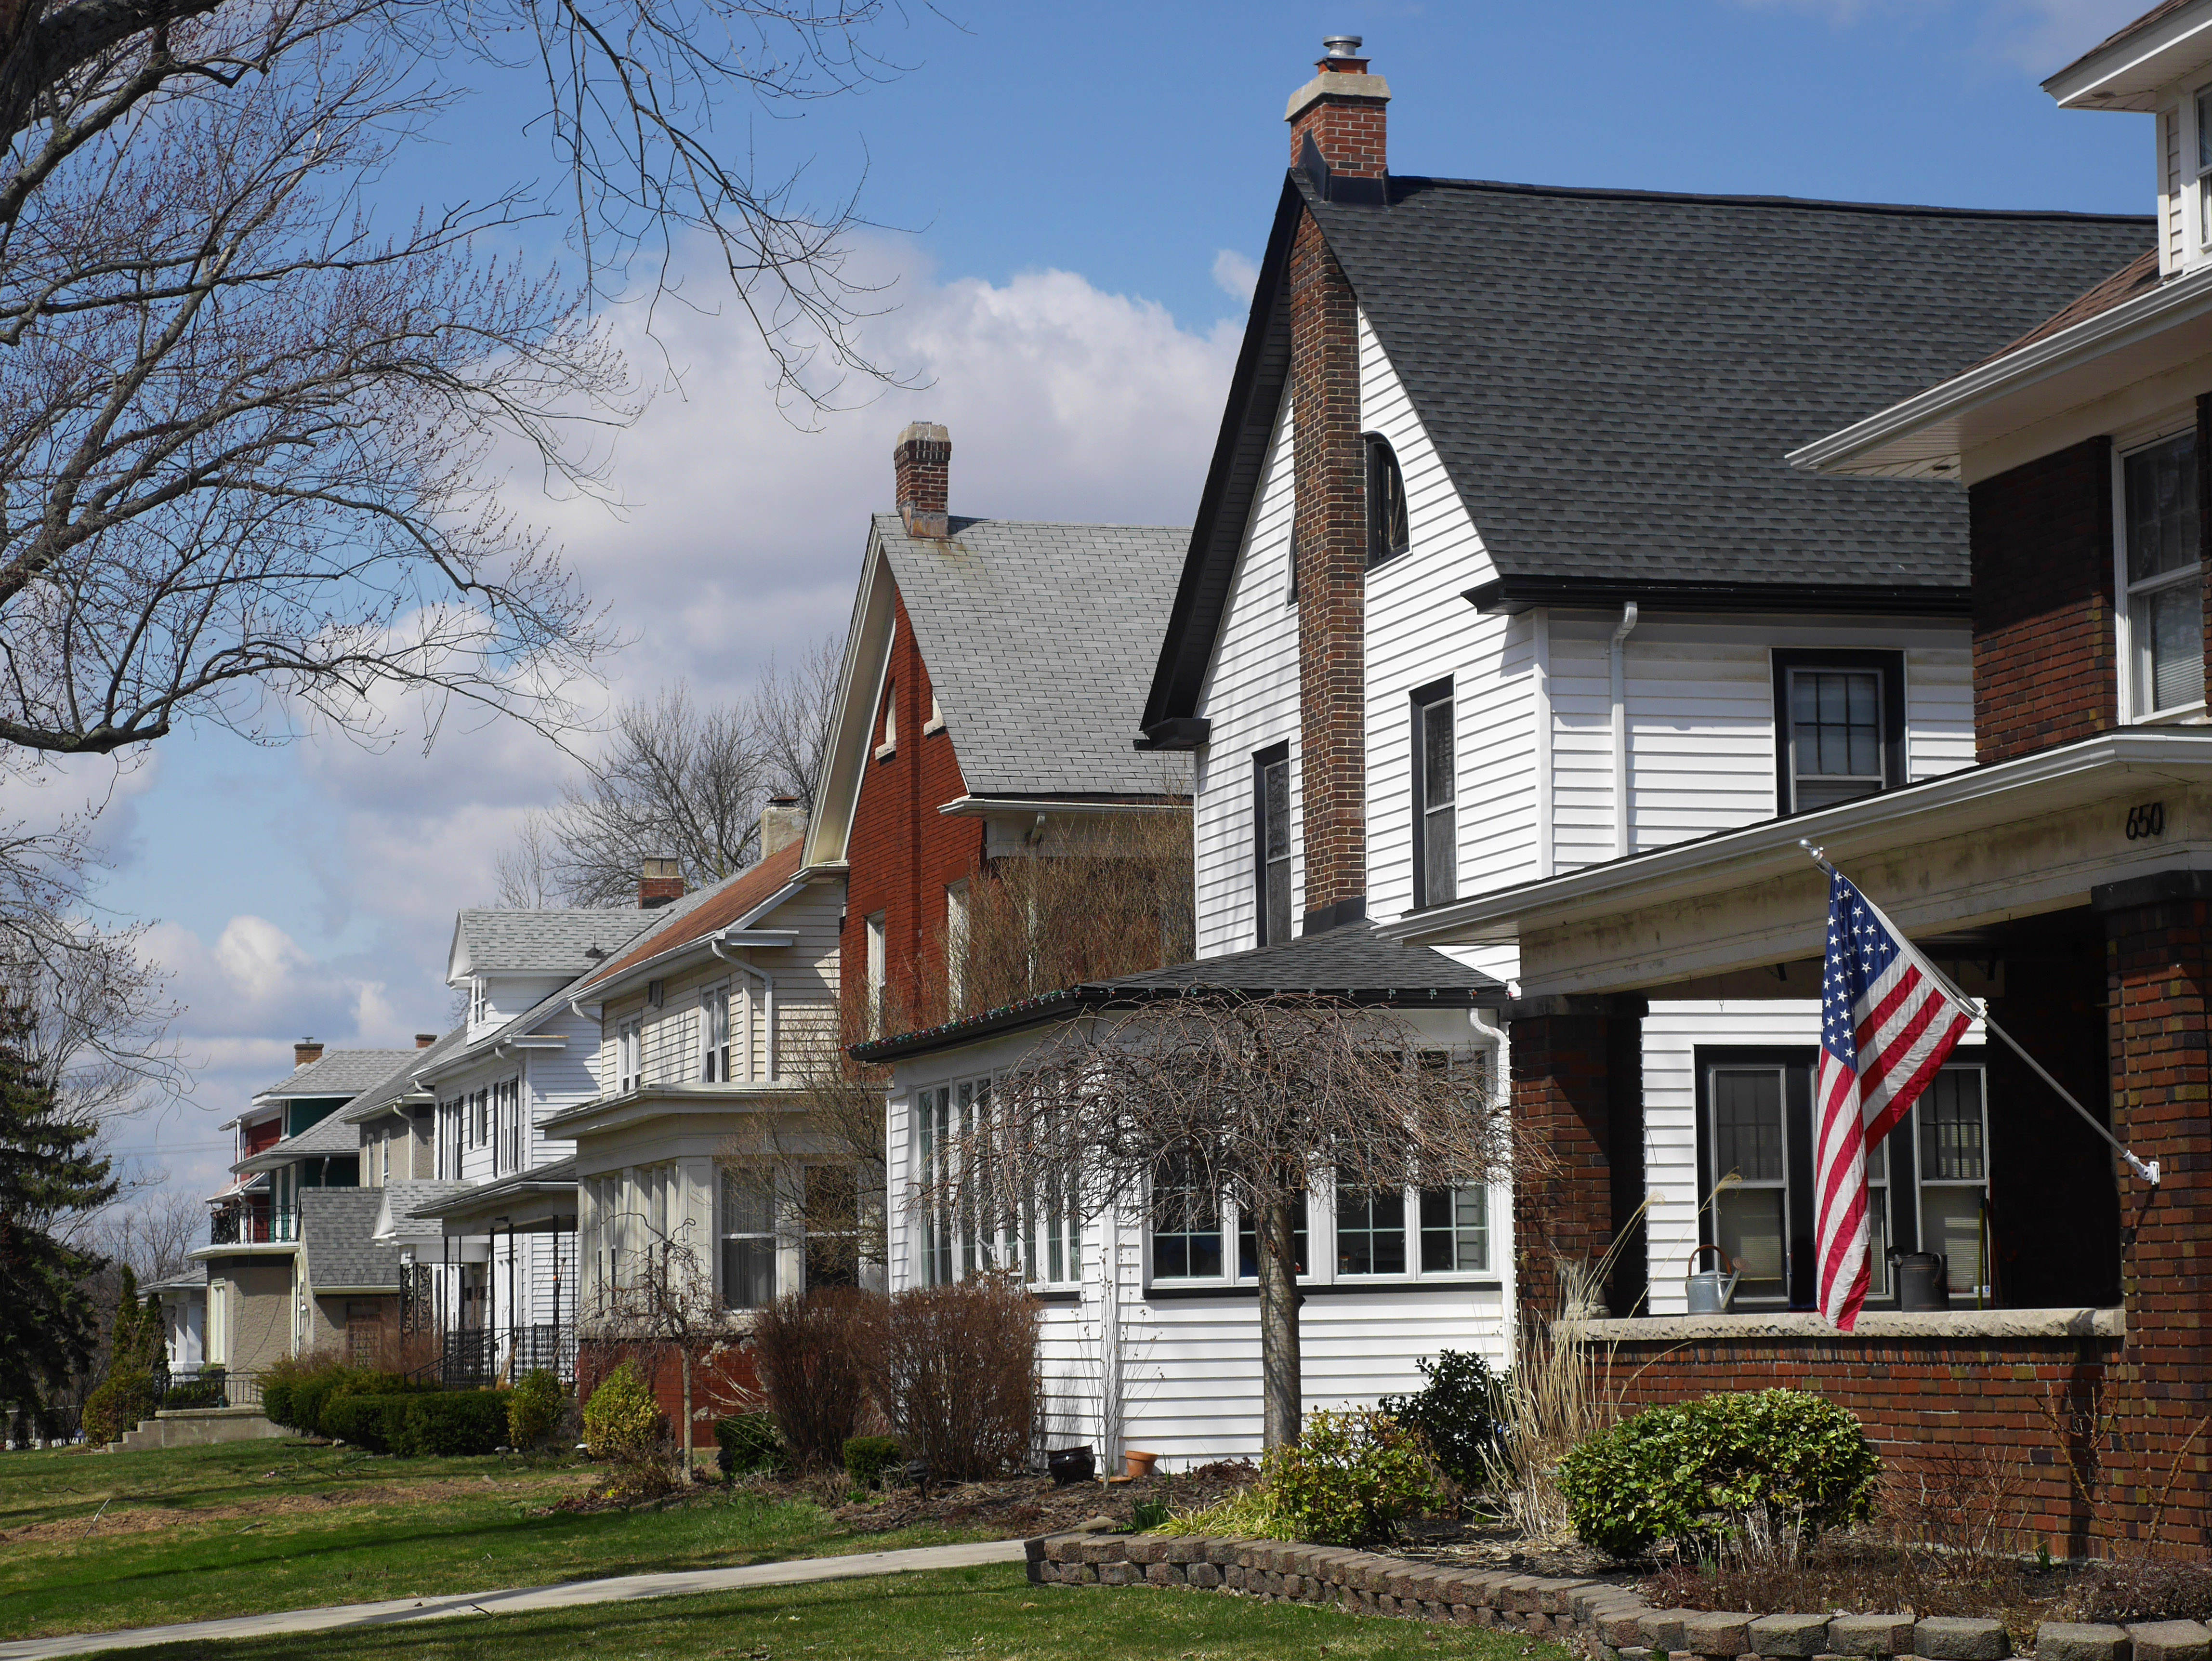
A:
(1602, 1620)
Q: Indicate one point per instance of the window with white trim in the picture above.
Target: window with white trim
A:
(629, 1048)
(749, 1242)
(479, 1004)
(1040, 1238)
(2165, 582)
(2204, 166)
(715, 1034)
(1271, 842)
(1435, 822)
(507, 1120)
(1186, 1222)
(873, 990)
(956, 942)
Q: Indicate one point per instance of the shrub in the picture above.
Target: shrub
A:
(957, 1371)
(809, 1351)
(376, 1422)
(121, 1403)
(621, 1421)
(533, 1409)
(204, 1391)
(1696, 1470)
(452, 1424)
(867, 1458)
(748, 1443)
(1459, 1411)
(1351, 1477)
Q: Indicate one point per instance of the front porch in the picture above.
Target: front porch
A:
(2073, 890)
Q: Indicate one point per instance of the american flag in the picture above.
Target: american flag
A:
(1887, 1021)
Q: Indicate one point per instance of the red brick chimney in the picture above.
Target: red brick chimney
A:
(1341, 111)
(659, 881)
(305, 1053)
(921, 463)
(1343, 107)
(424, 1040)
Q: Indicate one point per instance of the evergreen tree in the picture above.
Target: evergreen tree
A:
(49, 1326)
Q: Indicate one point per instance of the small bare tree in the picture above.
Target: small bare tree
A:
(658, 1305)
(1189, 1101)
(818, 1169)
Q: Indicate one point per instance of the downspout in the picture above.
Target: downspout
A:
(1540, 687)
(1618, 654)
(768, 990)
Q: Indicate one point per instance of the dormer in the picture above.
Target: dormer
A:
(2161, 65)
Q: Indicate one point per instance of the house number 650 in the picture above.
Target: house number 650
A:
(2148, 820)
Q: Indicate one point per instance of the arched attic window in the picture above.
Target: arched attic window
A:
(1387, 534)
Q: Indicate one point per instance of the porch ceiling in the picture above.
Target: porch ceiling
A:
(1946, 860)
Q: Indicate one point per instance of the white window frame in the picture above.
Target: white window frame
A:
(725, 1232)
(479, 1003)
(716, 1047)
(629, 1054)
(872, 987)
(889, 747)
(2196, 164)
(1036, 1241)
(508, 1152)
(2145, 437)
(956, 942)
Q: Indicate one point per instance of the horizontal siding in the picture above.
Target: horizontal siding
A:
(1251, 696)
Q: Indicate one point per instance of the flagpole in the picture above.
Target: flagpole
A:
(2145, 1170)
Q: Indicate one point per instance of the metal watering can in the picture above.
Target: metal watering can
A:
(1709, 1291)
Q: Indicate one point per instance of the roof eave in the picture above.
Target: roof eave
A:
(1507, 595)
(2125, 72)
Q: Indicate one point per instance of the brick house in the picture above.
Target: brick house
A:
(2071, 863)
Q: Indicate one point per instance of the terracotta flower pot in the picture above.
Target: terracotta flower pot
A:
(1136, 1464)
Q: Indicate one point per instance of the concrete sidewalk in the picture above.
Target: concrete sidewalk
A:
(516, 1600)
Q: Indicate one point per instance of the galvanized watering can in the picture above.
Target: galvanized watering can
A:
(1708, 1290)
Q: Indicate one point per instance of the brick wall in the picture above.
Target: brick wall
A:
(1578, 1101)
(1937, 1408)
(1350, 132)
(901, 851)
(2044, 668)
(1331, 522)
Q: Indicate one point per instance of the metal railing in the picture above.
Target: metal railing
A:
(246, 1226)
(476, 1356)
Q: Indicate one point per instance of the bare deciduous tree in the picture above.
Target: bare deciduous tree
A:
(793, 708)
(1260, 1101)
(818, 1171)
(656, 1303)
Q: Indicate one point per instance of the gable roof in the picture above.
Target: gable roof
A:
(1037, 639)
(344, 1073)
(1352, 963)
(716, 909)
(1613, 379)
(399, 1083)
(338, 1227)
(492, 942)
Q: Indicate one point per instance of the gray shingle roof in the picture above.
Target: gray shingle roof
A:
(337, 1226)
(332, 1136)
(1613, 378)
(1040, 641)
(1353, 959)
(548, 942)
(341, 1072)
(400, 1080)
(404, 1198)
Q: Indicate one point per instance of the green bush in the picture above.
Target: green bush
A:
(454, 1424)
(1352, 1477)
(122, 1403)
(1693, 1471)
(621, 1421)
(204, 1391)
(378, 1423)
(1459, 1411)
(533, 1409)
(867, 1458)
(748, 1443)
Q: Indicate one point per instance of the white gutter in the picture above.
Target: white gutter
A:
(977, 806)
(1617, 656)
(738, 932)
(2181, 301)
(768, 984)
(2177, 755)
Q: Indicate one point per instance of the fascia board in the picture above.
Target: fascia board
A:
(867, 661)
(2166, 308)
(2126, 75)
(738, 932)
(2094, 768)
(668, 1101)
(457, 963)
(978, 807)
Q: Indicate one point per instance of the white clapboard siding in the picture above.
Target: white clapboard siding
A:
(1251, 696)
(2169, 195)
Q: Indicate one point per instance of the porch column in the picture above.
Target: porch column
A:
(1577, 1072)
(2158, 956)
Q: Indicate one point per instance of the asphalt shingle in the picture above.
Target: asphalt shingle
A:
(1040, 641)
(341, 1072)
(549, 942)
(338, 1227)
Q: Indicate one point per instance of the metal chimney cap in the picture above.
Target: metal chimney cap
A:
(1341, 45)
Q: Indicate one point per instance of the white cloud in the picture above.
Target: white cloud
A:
(1234, 274)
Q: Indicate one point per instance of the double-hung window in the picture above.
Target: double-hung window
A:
(1271, 842)
(748, 1238)
(1186, 1221)
(2204, 102)
(1839, 727)
(507, 1124)
(2165, 580)
(714, 1035)
(1436, 841)
(933, 1156)
(629, 1047)
(1928, 1181)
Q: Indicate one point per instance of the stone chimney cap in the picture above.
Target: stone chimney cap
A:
(923, 432)
(306, 1053)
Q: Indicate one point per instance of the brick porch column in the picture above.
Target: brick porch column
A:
(1577, 1072)
(2158, 981)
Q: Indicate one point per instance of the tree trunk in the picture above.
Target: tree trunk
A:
(686, 1354)
(1281, 1389)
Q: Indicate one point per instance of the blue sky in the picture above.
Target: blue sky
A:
(1070, 196)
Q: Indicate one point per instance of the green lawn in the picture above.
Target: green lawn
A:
(189, 1534)
(991, 1613)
